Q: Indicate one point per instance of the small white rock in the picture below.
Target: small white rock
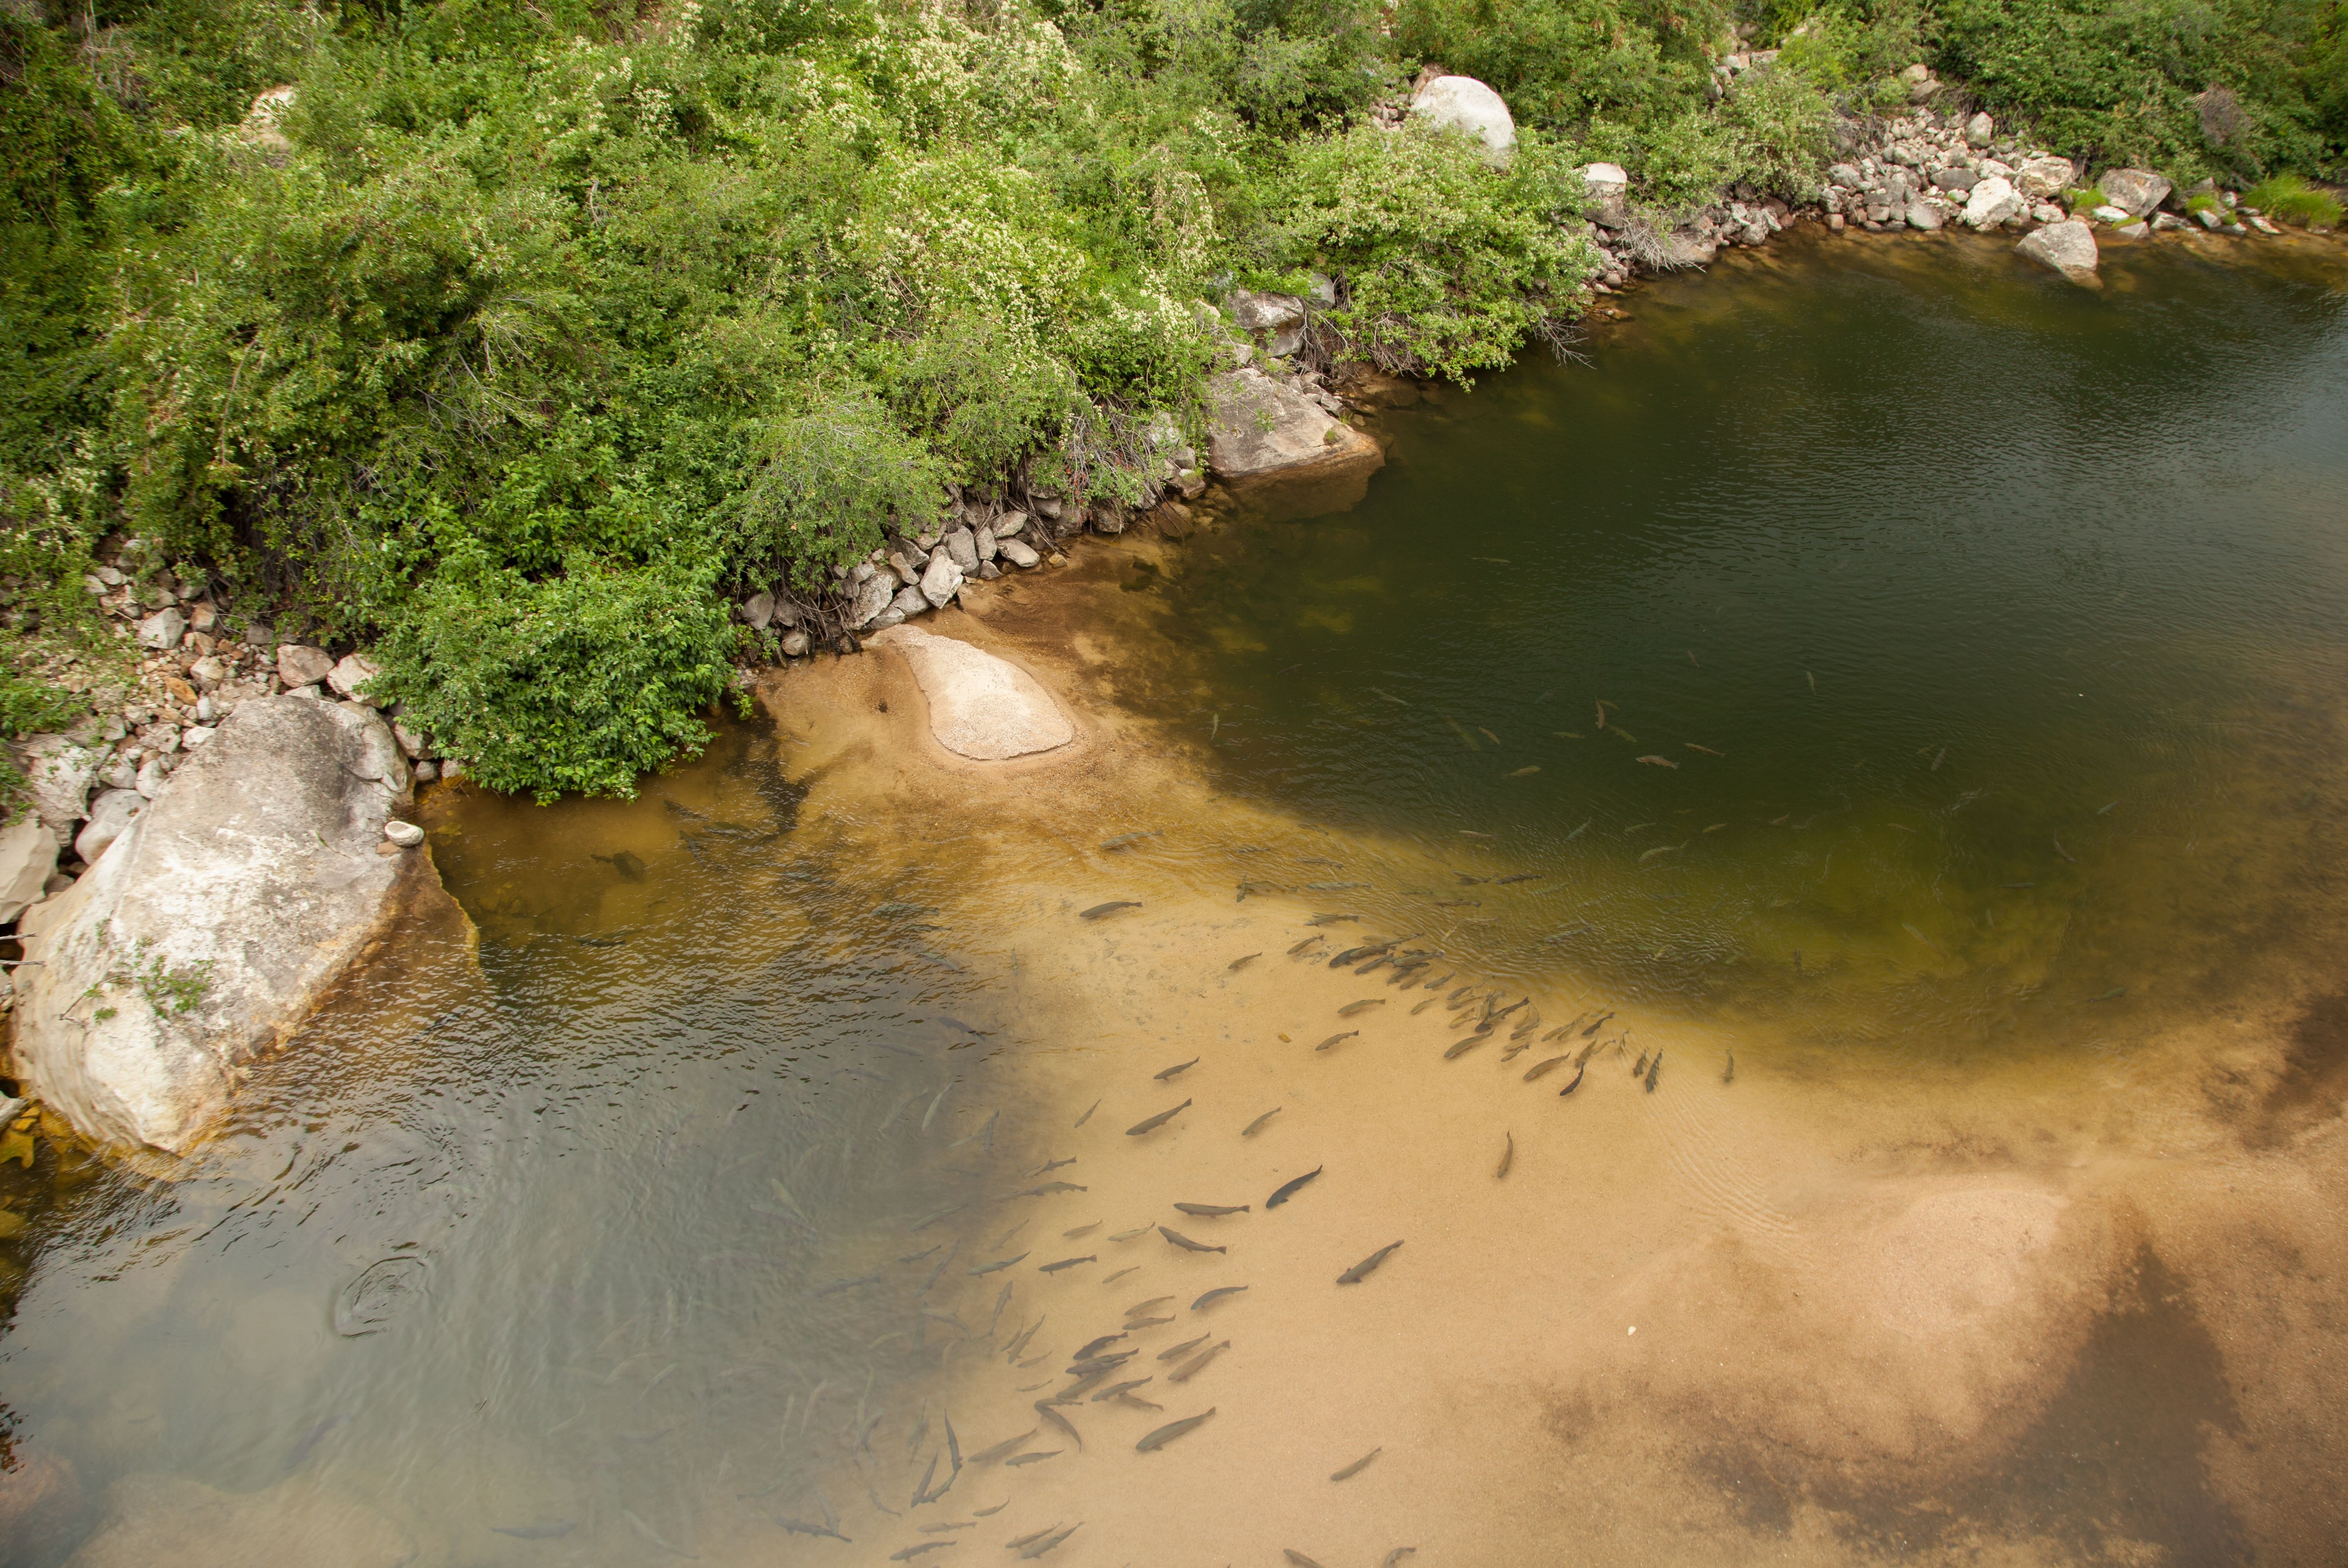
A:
(406, 835)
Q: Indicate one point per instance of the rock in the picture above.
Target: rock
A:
(406, 835)
(2044, 175)
(301, 664)
(796, 645)
(250, 883)
(2109, 213)
(1262, 426)
(1276, 321)
(153, 774)
(962, 547)
(2136, 192)
(60, 770)
(1980, 130)
(988, 572)
(1923, 214)
(2133, 229)
(2068, 247)
(1687, 248)
(208, 672)
(870, 597)
(121, 773)
(983, 539)
(452, 769)
(258, 635)
(350, 675)
(2162, 223)
(1009, 523)
(1019, 553)
(162, 630)
(908, 603)
(28, 858)
(1465, 103)
(1609, 192)
(1992, 202)
(110, 815)
(980, 706)
(941, 583)
(196, 735)
(1957, 180)
(414, 744)
(152, 1519)
(1846, 175)
(758, 611)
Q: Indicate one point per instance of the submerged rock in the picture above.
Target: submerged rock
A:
(206, 932)
(1264, 426)
(2068, 247)
(980, 706)
(1463, 103)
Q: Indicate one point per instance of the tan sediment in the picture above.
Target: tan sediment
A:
(1844, 1309)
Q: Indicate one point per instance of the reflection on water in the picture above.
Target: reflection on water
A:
(1947, 1173)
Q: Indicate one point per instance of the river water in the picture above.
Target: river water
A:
(1882, 714)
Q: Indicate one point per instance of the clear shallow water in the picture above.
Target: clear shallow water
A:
(650, 1222)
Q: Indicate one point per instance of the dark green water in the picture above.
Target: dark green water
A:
(1973, 578)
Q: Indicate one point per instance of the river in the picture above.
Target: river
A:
(1881, 712)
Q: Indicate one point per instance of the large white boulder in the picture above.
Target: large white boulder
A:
(111, 816)
(1992, 202)
(980, 706)
(2068, 247)
(202, 938)
(1463, 103)
(1264, 425)
(1609, 193)
(60, 770)
(28, 855)
(2044, 176)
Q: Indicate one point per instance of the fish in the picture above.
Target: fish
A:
(1508, 1158)
(1813, 680)
(1334, 887)
(1198, 1363)
(1116, 1389)
(1290, 1188)
(1305, 944)
(1542, 1070)
(1781, 821)
(2061, 851)
(1212, 1211)
(1350, 1008)
(1489, 736)
(1122, 839)
(1567, 734)
(1522, 772)
(558, 1529)
(1423, 1006)
(1707, 750)
(1396, 1555)
(1654, 1071)
(1184, 1348)
(1047, 1189)
(923, 1495)
(995, 1267)
(1048, 1542)
(1715, 827)
(1100, 910)
(1348, 1035)
(790, 1527)
(1051, 1165)
(1369, 1265)
(1639, 1067)
(1620, 733)
(1602, 705)
(1652, 760)
(1141, 1306)
(1331, 920)
(1578, 831)
(1186, 1243)
(1216, 1294)
(1937, 758)
(1069, 1263)
(2106, 805)
(1236, 964)
(1054, 1418)
(1389, 697)
(1088, 1113)
(1145, 1322)
(1080, 1230)
(910, 1553)
(988, 1512)
(1921, 937)
(2113, 995)
(1177, 1070)
(1576, 1083)
(1466, 739)
(1358, 1466)
(1252, 1128)
(1594, 1028)
(1171, 1430)
(1297, 1559)
(1120, 1274)
(1464, 1046)
(1128, 1236)
(1094, 1347)
(1015, 1460)
(1520, 877)
(987, 1456)
(1152, 1123)
(2016, 887)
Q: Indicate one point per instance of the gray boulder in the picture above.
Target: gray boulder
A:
(2068, 247)
(2136, 192)
(982, 538)
(300, 664)
(908, 603)
(980, 706)
(1980, 130)
(796, 645)
(1609, 192)
(110, 815)
(1018, 552)
(28, 858)
(350, 675)
(212, 926)
(1923, 214)
(1992, 202)
(870, 597)
(60, 770)
(2044, 175)
(1262, 426)
(162, 630)
(758, 611)
(962, 546)
(1276, 320)
(1465, 103)
(942, 581)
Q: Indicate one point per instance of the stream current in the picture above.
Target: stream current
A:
(1883, 714)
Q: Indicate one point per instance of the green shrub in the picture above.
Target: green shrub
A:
(1780, 123)
(580, 682)
(1563, 63)
(2291, 200)
(1448, 261)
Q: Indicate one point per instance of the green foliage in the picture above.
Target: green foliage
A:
(2291, 200)
(169, 992)
(833, 479)
(1563, 63)
(1779, 123)
(2191, 86)
(580, 682)
(1447, 262)
(1855, 50)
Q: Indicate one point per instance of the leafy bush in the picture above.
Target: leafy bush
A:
(2289, 198)
(1563, 63)
(1779, 123)
(578, 682)
(1447, 261)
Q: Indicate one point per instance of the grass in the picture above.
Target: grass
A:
(2288, 199)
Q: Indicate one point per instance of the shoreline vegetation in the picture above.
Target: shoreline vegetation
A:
(541, 371)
